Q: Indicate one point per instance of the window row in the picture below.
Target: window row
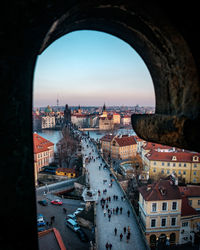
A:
(173, 164)
(164, 206)
(163, 222)
(167, 171)
(42, 154)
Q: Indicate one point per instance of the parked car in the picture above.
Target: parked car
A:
(72, 224)
(82, 235)
(56, 202)
(78, 210)
(43, 203)
(71, 216)
(40, 220)
(40, 229)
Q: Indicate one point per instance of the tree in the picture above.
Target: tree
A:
(67, 147)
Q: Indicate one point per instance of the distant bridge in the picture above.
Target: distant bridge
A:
(88, 129)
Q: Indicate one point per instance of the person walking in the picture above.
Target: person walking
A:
(127, 238)
(104, 213)
(128, 213)
(107, 245)
(115, 230)
(129, 229)
(124, 230)
(120, 210)
(117, 209)
(121, 236)
(110, 246)
(109, 216)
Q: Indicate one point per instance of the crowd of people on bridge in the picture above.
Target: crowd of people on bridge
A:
(109, 204)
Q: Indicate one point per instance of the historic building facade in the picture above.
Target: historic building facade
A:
(43, 152)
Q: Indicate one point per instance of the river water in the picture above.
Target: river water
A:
(55, 135)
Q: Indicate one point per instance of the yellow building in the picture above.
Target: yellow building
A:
(185, 164)
(160, 212)
(116, 118)
(68, 172)
(119, 147)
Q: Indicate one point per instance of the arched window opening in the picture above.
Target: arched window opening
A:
(86, 87)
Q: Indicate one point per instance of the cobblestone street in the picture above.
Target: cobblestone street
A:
(105, 228)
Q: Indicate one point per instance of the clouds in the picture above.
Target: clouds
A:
(90, 67)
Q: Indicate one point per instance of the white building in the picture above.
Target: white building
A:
(48, 122)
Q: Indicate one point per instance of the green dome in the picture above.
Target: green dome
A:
(48, 109)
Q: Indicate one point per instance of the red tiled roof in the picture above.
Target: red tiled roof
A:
(40, 144)
(107, 138)
(186, 209)
(190, 191)
(167, 156)
(125, 140)
(151, 146)
(104, 118)
(162, 190)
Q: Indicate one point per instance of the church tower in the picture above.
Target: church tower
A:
(104, 114)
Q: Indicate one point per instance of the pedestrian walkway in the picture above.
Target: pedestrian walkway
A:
(105, 228)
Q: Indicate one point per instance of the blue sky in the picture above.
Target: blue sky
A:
(90, 68)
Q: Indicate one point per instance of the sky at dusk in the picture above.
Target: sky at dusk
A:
(91, 68)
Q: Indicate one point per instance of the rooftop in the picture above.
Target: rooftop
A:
(162, 190)
(50, 239)
(40, 144)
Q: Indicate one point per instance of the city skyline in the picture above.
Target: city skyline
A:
(89, 68)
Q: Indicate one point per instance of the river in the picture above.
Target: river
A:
(51, 135)
(55, 135)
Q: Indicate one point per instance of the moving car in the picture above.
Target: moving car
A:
(43, 203)
(56, 202)
(82, 235)
(72, 224)
(40, 220)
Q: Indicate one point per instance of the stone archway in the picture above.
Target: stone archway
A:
(172, 238)
(166, 55)
(152, 241)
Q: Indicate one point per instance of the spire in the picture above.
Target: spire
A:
(104, 107)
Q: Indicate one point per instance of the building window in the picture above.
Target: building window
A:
(163, 222)
(154, 163)
(174, 205)
(179, 164)
(173, 221)
(164, 206)
(198, 202)
(190, 202)
(179, 172)
(154, 170)
(168, 164)
(195, 165)
(185, 224)
(162, 171)
(174, 164)
(168, 171)
(163, 164)
(194, 173)
(185, 165)
(184, 173)
(153, 222)
(154, 207)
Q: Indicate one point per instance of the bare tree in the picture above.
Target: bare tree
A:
(67, 147)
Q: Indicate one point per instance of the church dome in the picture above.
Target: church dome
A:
(48, 109)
